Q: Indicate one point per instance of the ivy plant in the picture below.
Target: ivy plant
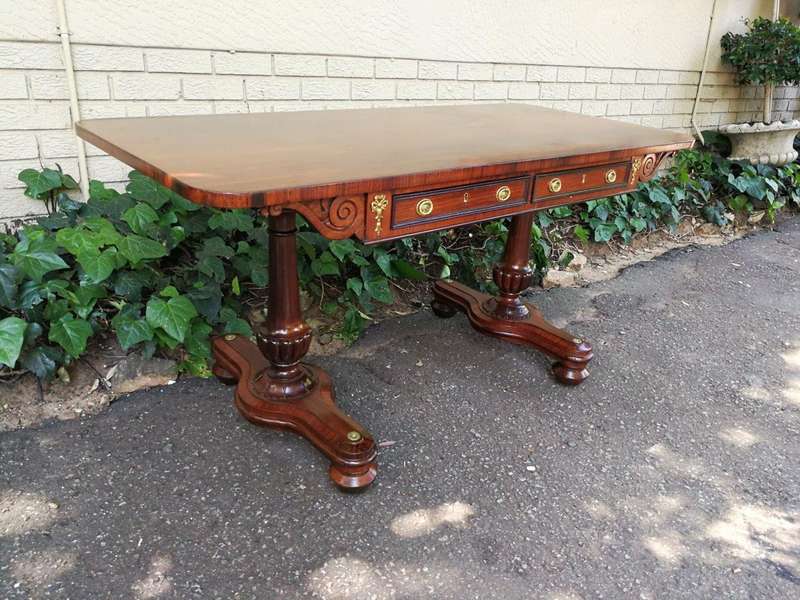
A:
(162, 274)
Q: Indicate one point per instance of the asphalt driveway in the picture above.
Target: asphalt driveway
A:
(672, 472)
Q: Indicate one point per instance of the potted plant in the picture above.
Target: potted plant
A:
(769, 55)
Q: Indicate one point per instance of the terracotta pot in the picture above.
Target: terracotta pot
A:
(763, 144)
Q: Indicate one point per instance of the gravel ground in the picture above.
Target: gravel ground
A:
(672, 472)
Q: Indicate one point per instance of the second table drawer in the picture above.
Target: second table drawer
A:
(433, 205)
(580, 181)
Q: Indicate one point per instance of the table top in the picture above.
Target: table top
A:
(261, 159)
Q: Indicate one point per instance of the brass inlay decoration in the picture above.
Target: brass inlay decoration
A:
(425, 207)
(554, 185)
(379, 204)
(637, 164)
(353, 436)
(503, 193)
(611, 176)
(230, 337)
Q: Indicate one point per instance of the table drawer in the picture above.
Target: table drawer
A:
(430, 206)
(555, 188)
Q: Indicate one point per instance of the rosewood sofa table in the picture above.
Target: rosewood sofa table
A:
(382, 174)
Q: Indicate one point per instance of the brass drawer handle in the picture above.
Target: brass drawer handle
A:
(611, 176)
(554, 185)
(424, 207)
(503, 193)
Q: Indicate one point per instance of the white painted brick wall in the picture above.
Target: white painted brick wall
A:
(177, 61)
(122, 81)
(241, 63)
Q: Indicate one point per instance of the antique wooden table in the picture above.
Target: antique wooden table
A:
(381, 174)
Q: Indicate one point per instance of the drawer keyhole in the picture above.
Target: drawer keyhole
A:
(466, 198)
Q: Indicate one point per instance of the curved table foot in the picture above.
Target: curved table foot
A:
(531, 329)
(312, 414)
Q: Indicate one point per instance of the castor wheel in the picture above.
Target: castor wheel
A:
(443, 310)
(353, 479)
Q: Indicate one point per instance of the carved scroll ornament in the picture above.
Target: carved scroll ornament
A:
(643, 168)
(335, 218)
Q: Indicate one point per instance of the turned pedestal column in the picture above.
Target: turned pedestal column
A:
(505, 316)
(275, 389)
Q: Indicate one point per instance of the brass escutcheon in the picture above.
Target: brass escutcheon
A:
(424, 207)
(503, 193)
(353, 436)
(554, 185)
(611, 176)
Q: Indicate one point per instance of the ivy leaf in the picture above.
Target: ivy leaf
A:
(139, 217)
(137, 248)
(376, 285)
(131, 331)
(98, 191)
(111, 206)
(38, 183)
(408, 271)
(9, 278)
(172, 316)
(384, 261)
(355, 285)
(75, 241)
(231, 220)
(342, 248)
(71, 334)
(207, 300)
(84, 297)
(37, 263)
(42, 361)
(603, 232)
(103, 231)
(32, 333)
(12, 334)
(239, 326)
(98, 266)
(197, 340)
(144, 189)
(326, 264)
(216, 246)
(129, 284)
(213, 267)
(581, 233)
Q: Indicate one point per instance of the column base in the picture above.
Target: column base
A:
(572, 354)
(313, 415)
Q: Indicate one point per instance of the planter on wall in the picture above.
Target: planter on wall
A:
(762, 143)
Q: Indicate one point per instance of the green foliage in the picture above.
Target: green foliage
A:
(769, 53)
(698, 182)
(162, 274)
(50, 186)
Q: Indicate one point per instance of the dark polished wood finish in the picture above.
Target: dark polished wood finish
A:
(382, 174)
(507, 317)
(274, 388)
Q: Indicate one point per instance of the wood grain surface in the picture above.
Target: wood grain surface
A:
(266, 159)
